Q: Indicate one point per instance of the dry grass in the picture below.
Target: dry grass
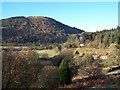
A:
(85, 50)
(92, 50)
(50, 53)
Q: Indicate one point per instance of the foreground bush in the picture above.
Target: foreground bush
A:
(20, 70)
(48, 78)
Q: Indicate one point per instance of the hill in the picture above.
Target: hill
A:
(35, 29)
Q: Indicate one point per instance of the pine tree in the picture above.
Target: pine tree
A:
(65, 77)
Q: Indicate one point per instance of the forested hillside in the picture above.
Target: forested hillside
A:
(35, 30)
(99, 39)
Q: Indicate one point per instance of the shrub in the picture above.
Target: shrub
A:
(65, 54)
(19, 69)
(48, 78)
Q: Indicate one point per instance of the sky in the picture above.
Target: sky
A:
(88, 16)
